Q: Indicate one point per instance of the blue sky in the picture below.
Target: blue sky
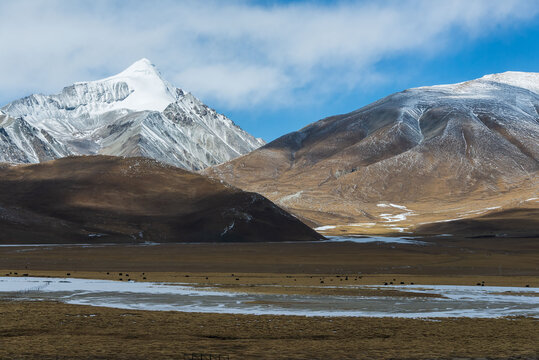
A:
(512, 48)
(271, 66)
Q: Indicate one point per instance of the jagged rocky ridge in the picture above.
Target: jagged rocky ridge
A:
(134, 113)
(21, 142)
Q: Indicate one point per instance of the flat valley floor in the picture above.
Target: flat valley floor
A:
(51, 330)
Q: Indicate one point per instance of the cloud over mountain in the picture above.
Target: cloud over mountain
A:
(235, 53)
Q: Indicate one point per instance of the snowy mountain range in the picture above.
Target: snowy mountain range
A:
(134, 113)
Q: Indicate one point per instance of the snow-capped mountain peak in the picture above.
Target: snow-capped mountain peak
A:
(491, 84)
(143, 66)
(525, 80)
(147, 88)
(134, 113)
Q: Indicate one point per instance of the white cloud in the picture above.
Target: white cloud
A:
(229, 82)
(235, 53)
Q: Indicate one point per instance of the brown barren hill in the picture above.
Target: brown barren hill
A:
(110, 199)
(518, 222)
(443, 152)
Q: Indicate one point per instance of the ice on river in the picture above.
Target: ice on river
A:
(380, 239)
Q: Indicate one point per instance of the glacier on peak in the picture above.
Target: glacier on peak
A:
(148, 89)
(133, 113)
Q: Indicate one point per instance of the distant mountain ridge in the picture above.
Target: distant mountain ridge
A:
(441, 144)
(134, 113)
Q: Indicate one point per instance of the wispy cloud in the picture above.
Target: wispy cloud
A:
(236, 53)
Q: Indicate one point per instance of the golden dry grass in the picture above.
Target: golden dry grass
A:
(447, 258)
(47, 330)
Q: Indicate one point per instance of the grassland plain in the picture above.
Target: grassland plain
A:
(50, 330)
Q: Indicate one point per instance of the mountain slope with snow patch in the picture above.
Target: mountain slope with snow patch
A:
(477, 139)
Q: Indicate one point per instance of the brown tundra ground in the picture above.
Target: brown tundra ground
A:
(49, 330)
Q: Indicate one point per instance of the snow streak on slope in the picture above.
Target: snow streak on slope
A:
(134, 113)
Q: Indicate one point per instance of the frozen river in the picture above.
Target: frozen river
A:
(455, 301)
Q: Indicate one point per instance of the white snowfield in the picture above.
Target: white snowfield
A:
(402, 207)
(484, 85)
(134, 113)
(457, 301)
(524, 80)
(325, 227)
(149, 91)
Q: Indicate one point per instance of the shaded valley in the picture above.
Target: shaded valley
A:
(102, 199)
